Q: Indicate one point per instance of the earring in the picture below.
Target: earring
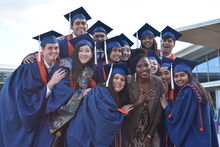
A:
(135, 77)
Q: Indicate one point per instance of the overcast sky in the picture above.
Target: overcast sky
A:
(20, 20)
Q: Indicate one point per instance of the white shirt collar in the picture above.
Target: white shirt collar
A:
(73, 35)
(48, 67)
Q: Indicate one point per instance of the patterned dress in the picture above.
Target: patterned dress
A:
(139, 121)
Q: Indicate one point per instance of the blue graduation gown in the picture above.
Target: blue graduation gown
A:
(62, 105)
(99, 74)
(22, 106)
(189, 121)
(66, 48)
(97, 121)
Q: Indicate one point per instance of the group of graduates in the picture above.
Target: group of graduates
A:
(88, 90)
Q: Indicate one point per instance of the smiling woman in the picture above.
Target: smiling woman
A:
(191, 111)
(141, 124)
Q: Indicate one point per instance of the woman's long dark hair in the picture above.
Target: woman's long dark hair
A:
(78, 67)
(120, 98)
(205, 95)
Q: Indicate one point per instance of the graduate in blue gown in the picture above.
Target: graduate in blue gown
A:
(101, 113)
(147, 34)
(24, 96)
(99, 31)
(66, 96)
(189, 119)
(78, 24)
(112, 49)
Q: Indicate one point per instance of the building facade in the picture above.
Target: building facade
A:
(207, 71)
(5, 71)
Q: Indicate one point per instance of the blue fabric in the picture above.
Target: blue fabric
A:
(99, 75)
(99, 27)
(184, 123)
(77, 13)
(22, 106)
(97, 121)
(170, 32)
(48, 37)
(60, 95)
(64, 49)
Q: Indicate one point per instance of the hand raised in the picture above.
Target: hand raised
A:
(57, 76)
(128, 107)
(29, 59)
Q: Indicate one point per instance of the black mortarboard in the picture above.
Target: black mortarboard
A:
(99, 27)
(84, 39)
(170, 32)
(181, 65)
(147, 29)
(48, 37)
(78, 13)
(126, 40)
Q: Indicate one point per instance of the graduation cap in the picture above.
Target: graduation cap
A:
(99, 27)
(110, 43)
(170, 32)
(166, 62)
(48, 37)
(153, 56)
(118, 68)
(126, 40)
(78, 13)
(146, 29)
(181, 65)
(114, 42)
(84, 39)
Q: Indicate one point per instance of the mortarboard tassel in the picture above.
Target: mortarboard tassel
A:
(105, 50)
(39, 51)
(137, 39)
(171, 92)
(160, 45)
(70, 23)
(109, 75)
(95, 54)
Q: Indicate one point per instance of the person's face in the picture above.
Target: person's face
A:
(85, 54)
(147, 41)
(154, 66)
(126, 52)
(181, 78)
(51, 52)
(115, 55)
(164, 74)
(167, 45)
(99, 36)
(118, 82)
(79, 26)
(143, 68)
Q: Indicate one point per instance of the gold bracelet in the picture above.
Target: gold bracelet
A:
(150, 137)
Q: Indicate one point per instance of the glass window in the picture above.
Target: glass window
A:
(202, 69)
(4, 76)
(214, 66)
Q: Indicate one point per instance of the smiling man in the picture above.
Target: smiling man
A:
(78, 24)
(24, 96)
(169, 37)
